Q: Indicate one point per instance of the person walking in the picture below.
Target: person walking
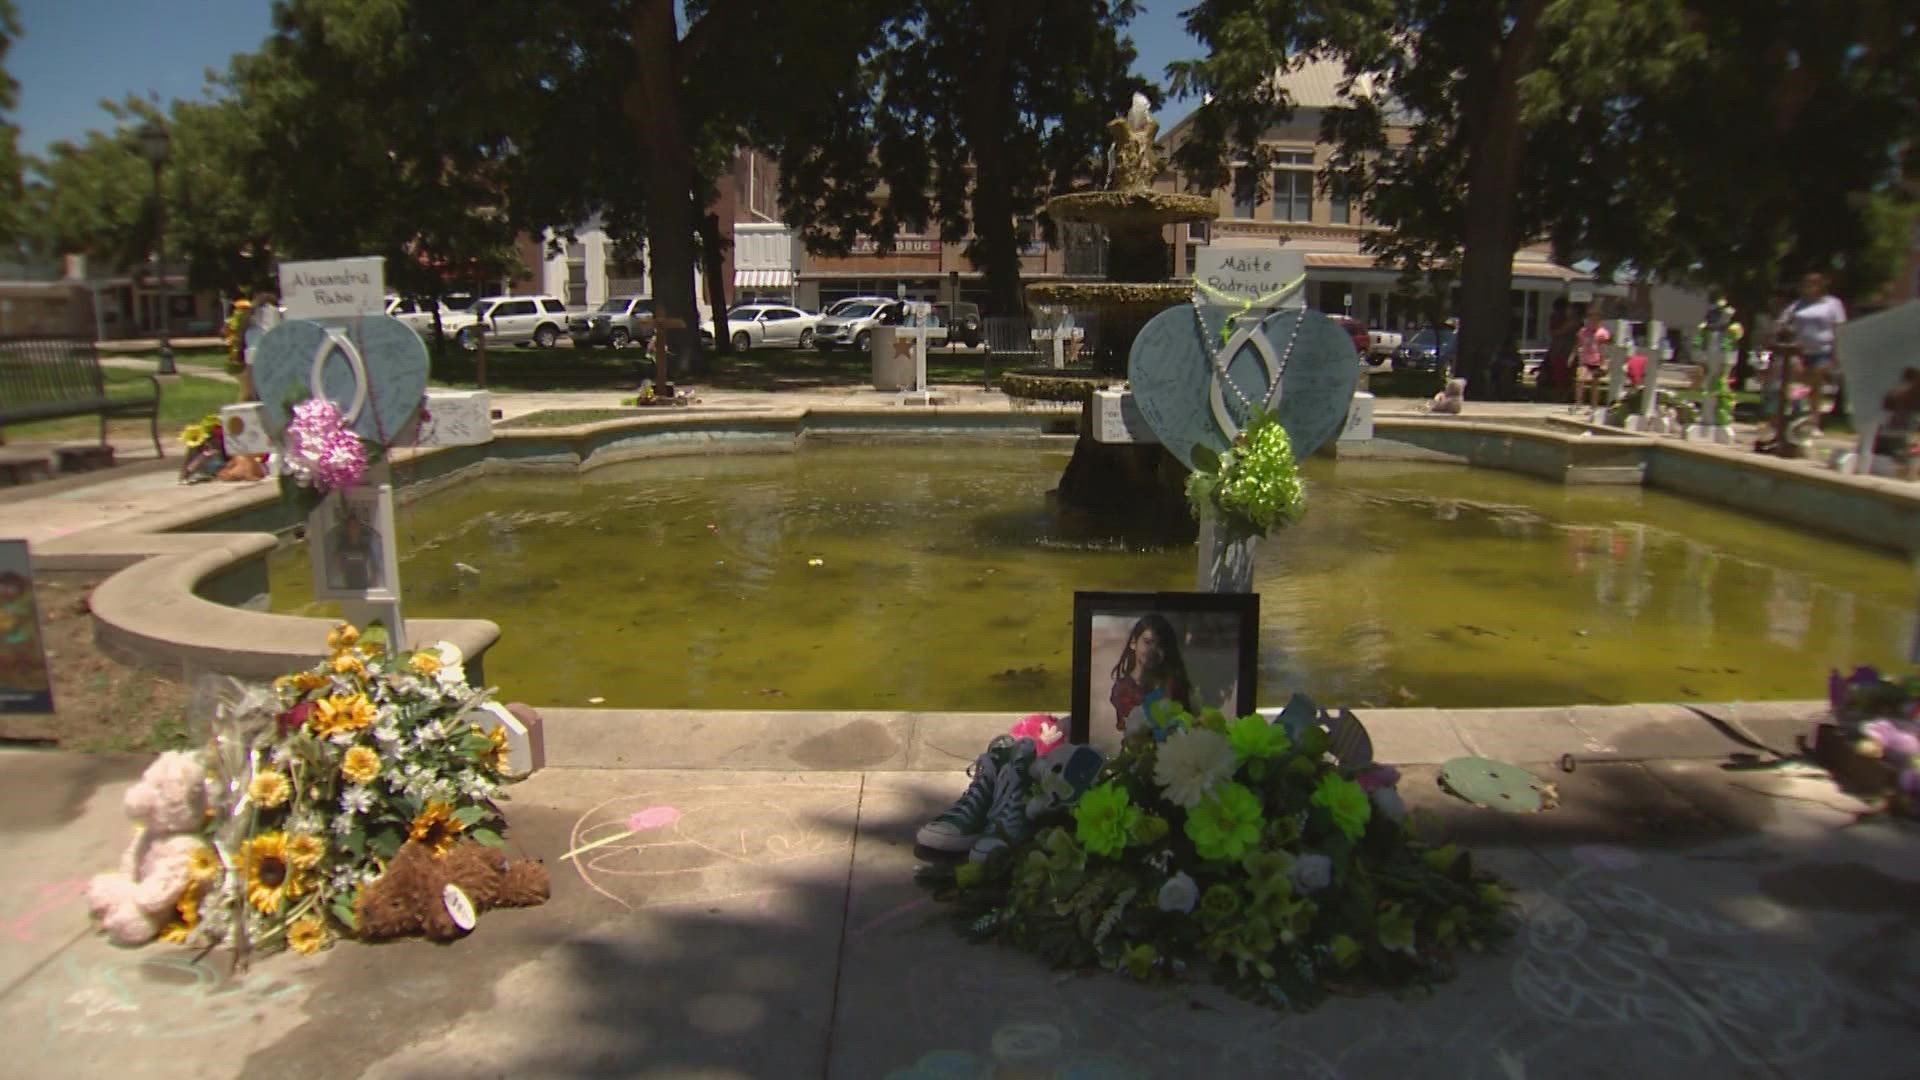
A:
(1815, 319)
(1556, 375)
(1590, 349)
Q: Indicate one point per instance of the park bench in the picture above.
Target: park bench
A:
(48, 378)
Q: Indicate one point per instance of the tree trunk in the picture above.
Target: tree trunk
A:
(995, 250)
(653, 105)
(710, 244)
(1492, 214)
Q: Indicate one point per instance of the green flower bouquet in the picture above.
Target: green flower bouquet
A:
(1255, 486)
(1240, 847)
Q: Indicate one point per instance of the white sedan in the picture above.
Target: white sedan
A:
(753, 325)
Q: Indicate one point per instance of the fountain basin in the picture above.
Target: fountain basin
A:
(1148, 297)
(921, 575)
(1132, 208)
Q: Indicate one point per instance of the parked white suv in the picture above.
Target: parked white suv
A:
(517, 320)
(418, 316)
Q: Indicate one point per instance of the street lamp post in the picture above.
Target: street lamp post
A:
(153, 146)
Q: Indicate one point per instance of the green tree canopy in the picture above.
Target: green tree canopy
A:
(1503, 103)
(965, 117)
(12, 190)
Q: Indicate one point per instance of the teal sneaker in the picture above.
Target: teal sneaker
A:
(956, 830)
(1007, 822)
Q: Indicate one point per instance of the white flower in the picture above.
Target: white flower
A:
(356, 799)
(1190, 762)
(1388, 802)
(452, 679)
(388, 732)
(1311, 873)
(305, 822)
(477, 788)
(1179, 894)
(283, 756)
(343, 824)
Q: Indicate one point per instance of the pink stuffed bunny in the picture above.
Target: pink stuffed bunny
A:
(169, 803)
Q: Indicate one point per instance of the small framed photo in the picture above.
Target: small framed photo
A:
(350, 539)
(1132, 650)
(26, 686)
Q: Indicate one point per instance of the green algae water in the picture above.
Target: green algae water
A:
(910, 576)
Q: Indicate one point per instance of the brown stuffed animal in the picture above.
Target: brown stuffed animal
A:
(242, 467)
(410, 897)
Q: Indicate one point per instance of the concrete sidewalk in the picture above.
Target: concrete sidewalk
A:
(1680, 920)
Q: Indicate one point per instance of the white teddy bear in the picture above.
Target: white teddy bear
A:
(169, 803)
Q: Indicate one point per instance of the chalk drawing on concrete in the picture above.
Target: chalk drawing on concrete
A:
(669, 845)
(1601, 954)
(43, 899)
(153, 997)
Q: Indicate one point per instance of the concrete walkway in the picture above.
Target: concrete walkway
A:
(1677, 919)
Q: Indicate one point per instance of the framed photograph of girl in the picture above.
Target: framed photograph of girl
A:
(1132, 651)
(351, 539)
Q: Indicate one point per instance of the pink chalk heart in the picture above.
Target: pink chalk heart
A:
(653, 817)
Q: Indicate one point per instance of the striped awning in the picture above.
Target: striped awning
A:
(763, 279)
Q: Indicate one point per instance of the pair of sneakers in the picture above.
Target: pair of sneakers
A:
(1010, 787)
(992, 812)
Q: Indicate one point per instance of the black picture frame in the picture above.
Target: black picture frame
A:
(1218, 633)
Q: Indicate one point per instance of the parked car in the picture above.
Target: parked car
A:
(1432, 349)
(621, 321)
(1357, 331)
(844, 303)
(1381, 343)
(418, 316)
(853, 325)
(751, 326)
(959, 322)
(517, 320)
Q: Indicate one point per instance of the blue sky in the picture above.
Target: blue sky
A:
(73, 53)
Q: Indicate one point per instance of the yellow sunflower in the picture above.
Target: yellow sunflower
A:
(203, 865)
(436, 827)
(342, 637)
(308, 936)
(304, 850)
(302, 681)
(270, 877)
(348, 664)
(499, 755)
(186, 912)
(349, 712)
(360, 765)
(269, 789)
(425, 663)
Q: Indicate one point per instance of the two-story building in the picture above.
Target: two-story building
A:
(1327, 226)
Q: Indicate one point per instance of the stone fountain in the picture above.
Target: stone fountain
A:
(1102, 476)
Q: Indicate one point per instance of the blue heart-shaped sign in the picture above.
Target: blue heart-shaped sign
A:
(374, 368)
(1183, 398)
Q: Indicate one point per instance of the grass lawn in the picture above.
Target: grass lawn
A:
(213, 358)
(182, 401)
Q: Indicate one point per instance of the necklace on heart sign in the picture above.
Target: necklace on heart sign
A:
(1191, 392)
(373, 368)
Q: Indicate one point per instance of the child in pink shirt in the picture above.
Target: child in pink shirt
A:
(1588, 349)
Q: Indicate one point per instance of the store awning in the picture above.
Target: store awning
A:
(763, 279)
